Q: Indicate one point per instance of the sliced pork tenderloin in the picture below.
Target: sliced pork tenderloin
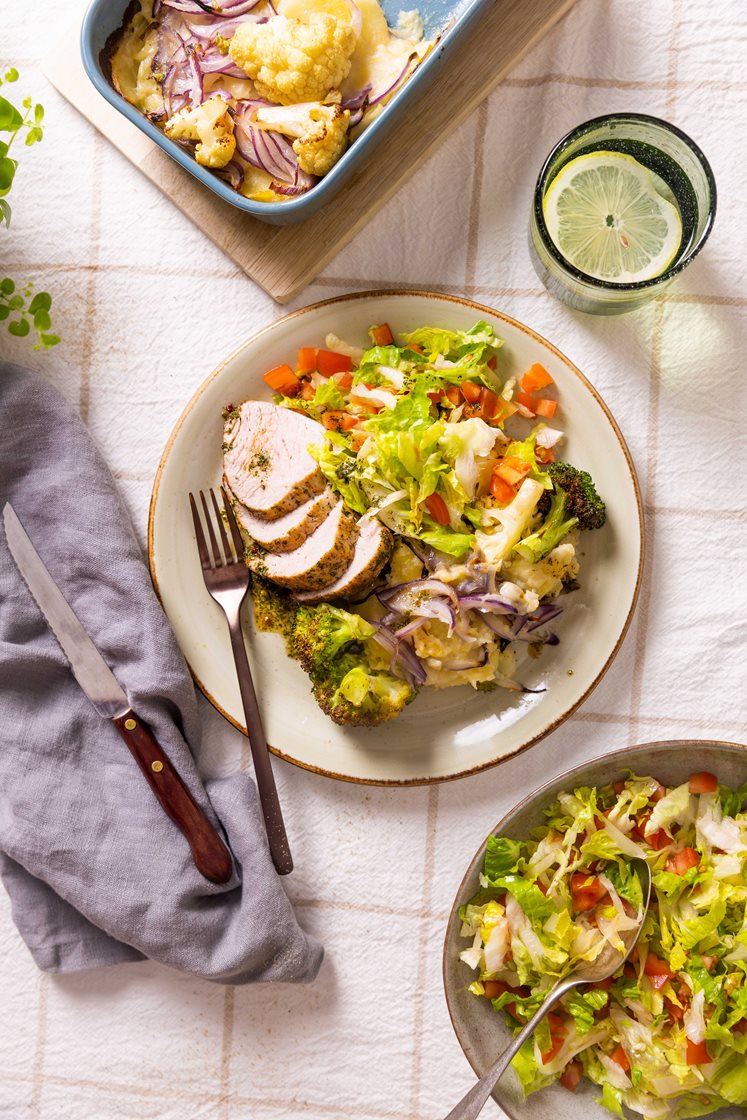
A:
(291, 529)
(319, 561)
(372, 551)
(266, 462)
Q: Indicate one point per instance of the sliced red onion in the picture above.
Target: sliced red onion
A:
(408, 628)
(214, 62)
(357, 100)
(402, 653)
(356, 19)
(397, 82)
(488, 603)
(417, 586)
(500, 627)
(546, 612)
(233, 173)
(225, 10)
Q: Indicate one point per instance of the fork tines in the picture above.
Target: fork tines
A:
(215, 557)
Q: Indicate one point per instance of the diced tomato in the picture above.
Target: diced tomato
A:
(494, 988)
(471, 391)
(306, 361)
(675, 1013)
(329, 362)
(697, 1053)
(659, 792)
(382, 335)
(526, 400)
(657, 970)
(621, 1058)
(544, 454)
(490, 403)
(414, 346)
(681, 862)
(436, 396)
(344, 379)
(703, 782)
(618, 787)
(657, 840)
(492, 362)
(557, 1037)
(357, 439)
(454, 394)
(335, 420)
(587, 891)
(546, 407)
(571, 1075)
(437, 508)
(740, 1027)
(536, 377)
(501, 490)
(512, 469)
(602, 985)
(308, 392)
(708, 961)
(283, 380)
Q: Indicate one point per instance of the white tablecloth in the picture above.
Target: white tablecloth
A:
(146, 307)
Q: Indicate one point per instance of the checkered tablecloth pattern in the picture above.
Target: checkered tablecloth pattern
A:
(146, 307)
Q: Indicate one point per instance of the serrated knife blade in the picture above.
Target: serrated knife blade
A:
(91, 671)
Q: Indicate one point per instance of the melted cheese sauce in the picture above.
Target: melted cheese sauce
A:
(378, 60)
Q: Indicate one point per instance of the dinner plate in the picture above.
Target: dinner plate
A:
(441, 734)
(482, 1033)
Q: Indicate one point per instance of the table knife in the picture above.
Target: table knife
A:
(210, 854)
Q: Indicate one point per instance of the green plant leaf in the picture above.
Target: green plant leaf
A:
(7, 173)
(5, 212)
(15, 303)
(42, 320)
(38, 113)
(42, 301)
(11, 75)
(33, 136)
(10, 119)
(4, 311)
(7, 286)
(48, 340)
(19, 327)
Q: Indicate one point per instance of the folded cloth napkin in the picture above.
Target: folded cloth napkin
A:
(95, 870)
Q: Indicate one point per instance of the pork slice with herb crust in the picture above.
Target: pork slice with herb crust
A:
(266, 463)
(319, 561)
(289, 531)
(372, 551)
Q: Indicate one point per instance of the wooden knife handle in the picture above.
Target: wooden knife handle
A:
(211, 856)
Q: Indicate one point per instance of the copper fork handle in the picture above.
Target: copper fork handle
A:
(268, 794)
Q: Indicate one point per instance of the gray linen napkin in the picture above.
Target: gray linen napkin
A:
(96, 872)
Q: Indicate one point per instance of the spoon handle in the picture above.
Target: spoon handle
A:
(471, 1103)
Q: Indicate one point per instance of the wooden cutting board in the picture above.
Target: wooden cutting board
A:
(284, 259)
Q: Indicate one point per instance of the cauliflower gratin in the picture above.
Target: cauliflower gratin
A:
(463, 526)
(268, 95)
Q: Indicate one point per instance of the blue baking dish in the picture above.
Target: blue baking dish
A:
(105, 16)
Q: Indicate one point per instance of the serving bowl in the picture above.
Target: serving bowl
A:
(449, 18)
(442, 734)
(481, 1032)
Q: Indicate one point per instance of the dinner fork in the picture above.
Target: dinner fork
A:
(227, 580)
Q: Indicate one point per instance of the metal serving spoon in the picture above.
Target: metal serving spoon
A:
(588, 972)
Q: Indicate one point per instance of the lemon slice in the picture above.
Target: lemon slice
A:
(607, 218)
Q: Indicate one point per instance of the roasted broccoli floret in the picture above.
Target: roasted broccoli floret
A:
(328, 642)
(581, 498)
(359, 694)
(551, 532)
(321, 633)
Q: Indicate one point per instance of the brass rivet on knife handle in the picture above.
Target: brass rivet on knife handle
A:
(211, 856)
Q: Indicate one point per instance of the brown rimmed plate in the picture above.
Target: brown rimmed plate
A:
(442, 734)
(482, 1033)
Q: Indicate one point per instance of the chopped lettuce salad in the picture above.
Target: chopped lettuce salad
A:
(667, 1035)
(462, 464)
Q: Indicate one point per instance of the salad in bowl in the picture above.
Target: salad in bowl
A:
(408, 514)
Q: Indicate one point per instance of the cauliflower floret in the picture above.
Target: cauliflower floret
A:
(502, 528)
(320, 131)
(545, 577)
(290, 61)
(211, 125)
